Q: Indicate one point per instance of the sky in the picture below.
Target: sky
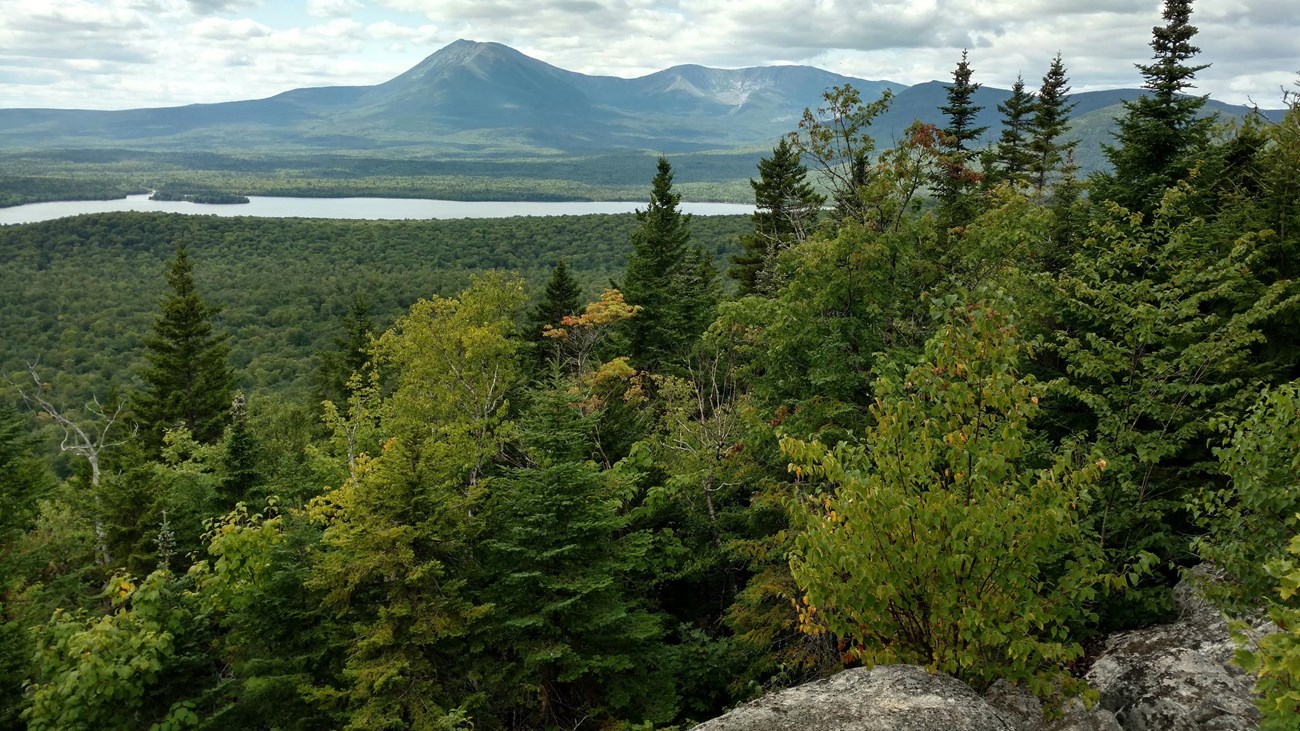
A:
(118, 54)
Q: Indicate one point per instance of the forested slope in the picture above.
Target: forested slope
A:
(78, 294)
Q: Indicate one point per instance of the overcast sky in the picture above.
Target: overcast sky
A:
(114, 54)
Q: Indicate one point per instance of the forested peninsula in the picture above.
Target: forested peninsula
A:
(941, 403)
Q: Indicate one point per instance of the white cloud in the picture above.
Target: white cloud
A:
(220, 29)
(333, 8)
(122, 53)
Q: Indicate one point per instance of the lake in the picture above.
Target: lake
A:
(356, 208)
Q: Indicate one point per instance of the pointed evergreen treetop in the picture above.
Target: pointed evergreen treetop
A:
(786, 210)
(956, 177)
(187, 380)
(1051, 118)
(961, 108)
(351, 351)
(1013, 155)
(563, 296)
(1161, 127)
(654, 278)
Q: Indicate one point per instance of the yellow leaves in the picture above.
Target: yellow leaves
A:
(1101, 465)
(608, 310)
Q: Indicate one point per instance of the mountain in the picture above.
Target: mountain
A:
(467, 98)
(480, 101)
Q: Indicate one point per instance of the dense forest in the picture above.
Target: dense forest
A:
(951, 405)
(79, 294)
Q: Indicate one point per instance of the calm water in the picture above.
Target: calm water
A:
(361, 208)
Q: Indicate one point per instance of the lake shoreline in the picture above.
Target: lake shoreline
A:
(349, 208)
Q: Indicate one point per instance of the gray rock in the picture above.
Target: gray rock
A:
(1176, 677)
(1017, 705)
(885, 698)
(1025, 712)
(1078, 718)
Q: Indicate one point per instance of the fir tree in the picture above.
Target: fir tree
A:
(1014, 158)
(187, 382)
(562, 297)
(698, 283)
(351, 351)
(659, 246)
(955, 186)
(786, 212)
(1051, 117)
(1160, 128)
(240, 458)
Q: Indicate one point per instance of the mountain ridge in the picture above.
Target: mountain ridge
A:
(473, 99)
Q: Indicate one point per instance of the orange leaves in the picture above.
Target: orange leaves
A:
(610, 309)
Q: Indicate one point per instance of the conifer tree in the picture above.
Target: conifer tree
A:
(1160, 128)
(240, 457)
(562, 297)
(786, 212)
(351, 351)
(955, 185)
(653, 282)
(187, 382)
(1014, 157)
(1051, 117)
(698, 283)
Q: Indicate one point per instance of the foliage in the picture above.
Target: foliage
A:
(1159, 130)
(79, 294)
(1159, 324)
(836, 141)
(1251, 519)
(561, 559)
(561, 297)
(787, 210)
(957, 179)
(24, 480)
(1275, 658)
(1013, 155)
(1049, 122)
(578, 336)
(187, 382)
(133, 668)
(351, 351)
(941, 541)
(662, 273)
(397, 532)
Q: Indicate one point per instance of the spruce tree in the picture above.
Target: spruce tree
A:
(351, 351)
(1014, 158)
(786, 209)
(239, 460)
(1051, 117)
(187, 380)
(698, 283)
(562, 297)
(659, 246)
(1160, 128)
(956, 178)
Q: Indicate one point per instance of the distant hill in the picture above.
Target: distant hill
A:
(467, 99)
(487, 110)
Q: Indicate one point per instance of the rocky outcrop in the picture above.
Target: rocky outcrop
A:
(1174, 677)
(885, 698)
